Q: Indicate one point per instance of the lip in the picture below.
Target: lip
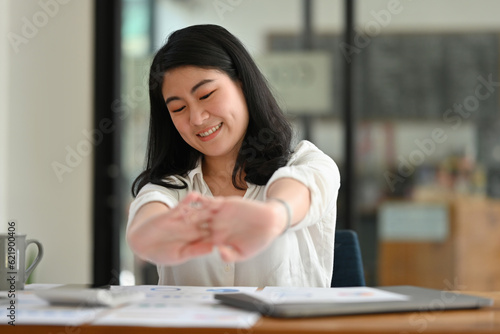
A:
(210, 135)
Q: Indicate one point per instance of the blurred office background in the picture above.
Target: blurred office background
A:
(424, 164)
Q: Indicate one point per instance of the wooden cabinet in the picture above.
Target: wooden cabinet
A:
(468, 258)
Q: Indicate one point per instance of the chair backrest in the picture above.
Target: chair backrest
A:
(347, 261)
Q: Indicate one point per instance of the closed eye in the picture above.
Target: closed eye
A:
(180, 109)
(207, 95)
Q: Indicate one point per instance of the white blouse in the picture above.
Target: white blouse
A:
(302, 257)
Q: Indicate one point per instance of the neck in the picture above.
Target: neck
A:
(220, 171)
(217, 166)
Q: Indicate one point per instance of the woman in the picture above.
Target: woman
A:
(223, 200)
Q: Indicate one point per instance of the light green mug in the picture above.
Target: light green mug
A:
(13, 271)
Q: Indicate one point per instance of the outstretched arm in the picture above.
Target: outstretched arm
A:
(292, 192)
(242, 228)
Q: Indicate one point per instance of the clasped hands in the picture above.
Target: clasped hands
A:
(238, 227)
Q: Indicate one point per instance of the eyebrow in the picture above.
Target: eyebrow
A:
(193, 89)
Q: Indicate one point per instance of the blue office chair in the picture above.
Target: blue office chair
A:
(347, 261)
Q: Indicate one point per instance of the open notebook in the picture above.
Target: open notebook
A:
(312, 302)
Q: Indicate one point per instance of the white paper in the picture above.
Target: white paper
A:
(183, 293)
(164, 306)
(31, 310)
(278, 295)
(181, 306)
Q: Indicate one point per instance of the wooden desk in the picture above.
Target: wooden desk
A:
(486, 320)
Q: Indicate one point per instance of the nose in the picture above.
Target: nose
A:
(198, 115)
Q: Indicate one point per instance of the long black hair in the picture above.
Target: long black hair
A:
(266, 146)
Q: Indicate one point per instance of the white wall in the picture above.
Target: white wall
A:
(253, 20)
(250, 21)
(4, 5)
(433, 15)
(49, 93)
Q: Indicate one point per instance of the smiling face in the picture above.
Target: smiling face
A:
(208, 109)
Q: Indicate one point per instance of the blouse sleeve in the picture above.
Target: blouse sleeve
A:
(318, 172)
(152, 193)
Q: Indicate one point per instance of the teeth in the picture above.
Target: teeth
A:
(209, 132)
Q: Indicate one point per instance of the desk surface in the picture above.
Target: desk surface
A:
(486, 320)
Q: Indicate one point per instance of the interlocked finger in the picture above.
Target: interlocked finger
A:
(205, 226)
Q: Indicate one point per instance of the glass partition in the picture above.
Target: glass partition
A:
(426, 105)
